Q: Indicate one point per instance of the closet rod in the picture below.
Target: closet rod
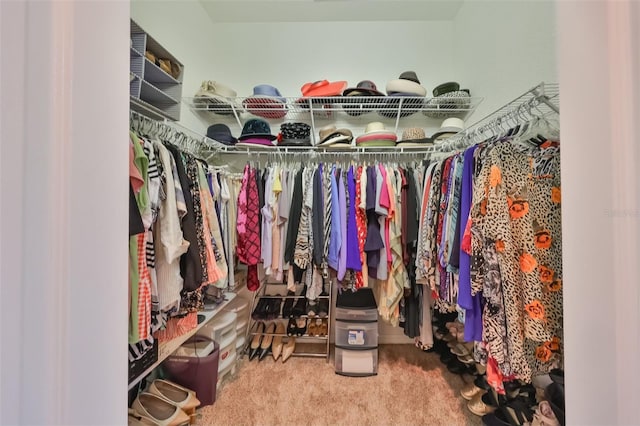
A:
(518, 111)
(167, 130)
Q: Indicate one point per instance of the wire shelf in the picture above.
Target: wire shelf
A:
(391, 107)
(542, 100)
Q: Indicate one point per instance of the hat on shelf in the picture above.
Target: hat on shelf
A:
(266, 102)
(295, 134)
(414, 137)
(321, 95)
(221, 133)
(376, 135)
(331, 135)
(445, 88)
(256, 132)
(448, 101)
(323, 88)
(358, 106)
(449, 127)
(216, 97)
(407, 83)
(363, 88)
(406, 96)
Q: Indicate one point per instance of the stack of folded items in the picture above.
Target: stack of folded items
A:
(375, 135)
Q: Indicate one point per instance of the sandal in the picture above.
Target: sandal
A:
(312, 329)
(322, 326)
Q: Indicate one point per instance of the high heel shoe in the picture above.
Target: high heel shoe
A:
(276, 346)
(301, 326)
(159, 410)
(176, 394)
(288, 349)
(255, 342)
(265, 347)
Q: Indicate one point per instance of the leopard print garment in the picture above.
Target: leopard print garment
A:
(521, 205)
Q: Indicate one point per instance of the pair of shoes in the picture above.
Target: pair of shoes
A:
(262, 340)
(288, 349)
(323, 304)
(297, 326)
(313, 329)
(179, 395)
(287, 308)
(312, 308)
(259, 311)
(267, 340)
(156, 410)
(318, 327)
(300, 307)
(274, 305)
(277, 345)
(515, 412)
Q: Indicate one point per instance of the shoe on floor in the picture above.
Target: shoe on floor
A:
(479, 408)
(544, 415)
(469, 391)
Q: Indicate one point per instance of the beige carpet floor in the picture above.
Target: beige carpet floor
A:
(411, 388)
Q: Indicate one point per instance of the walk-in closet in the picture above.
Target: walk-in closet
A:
(339, 212)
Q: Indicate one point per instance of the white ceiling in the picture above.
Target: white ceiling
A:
(330, 10)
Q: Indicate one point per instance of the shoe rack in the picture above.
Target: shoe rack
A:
(273, 313)
(153, 91)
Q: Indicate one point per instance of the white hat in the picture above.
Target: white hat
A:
(220, 97)
(331, 135)
(451, 125)
(407, 83)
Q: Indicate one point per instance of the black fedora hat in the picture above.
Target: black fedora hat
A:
(221, 133)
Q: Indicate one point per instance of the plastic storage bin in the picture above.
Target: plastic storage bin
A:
(356, 315)
(220, 326)
(363, 335)
(197, 374)
(357, 363)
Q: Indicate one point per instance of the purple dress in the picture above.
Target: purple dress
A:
(342, 201)
(471, 304)
(353, 250)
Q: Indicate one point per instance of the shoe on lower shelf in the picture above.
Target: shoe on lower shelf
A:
(287, 307)
(267, 340)
(277, 345)
(288, 349)
(256, 341)
(176, 394)
(159, 410)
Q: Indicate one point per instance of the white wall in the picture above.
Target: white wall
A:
(504, 48)
(289, 54)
